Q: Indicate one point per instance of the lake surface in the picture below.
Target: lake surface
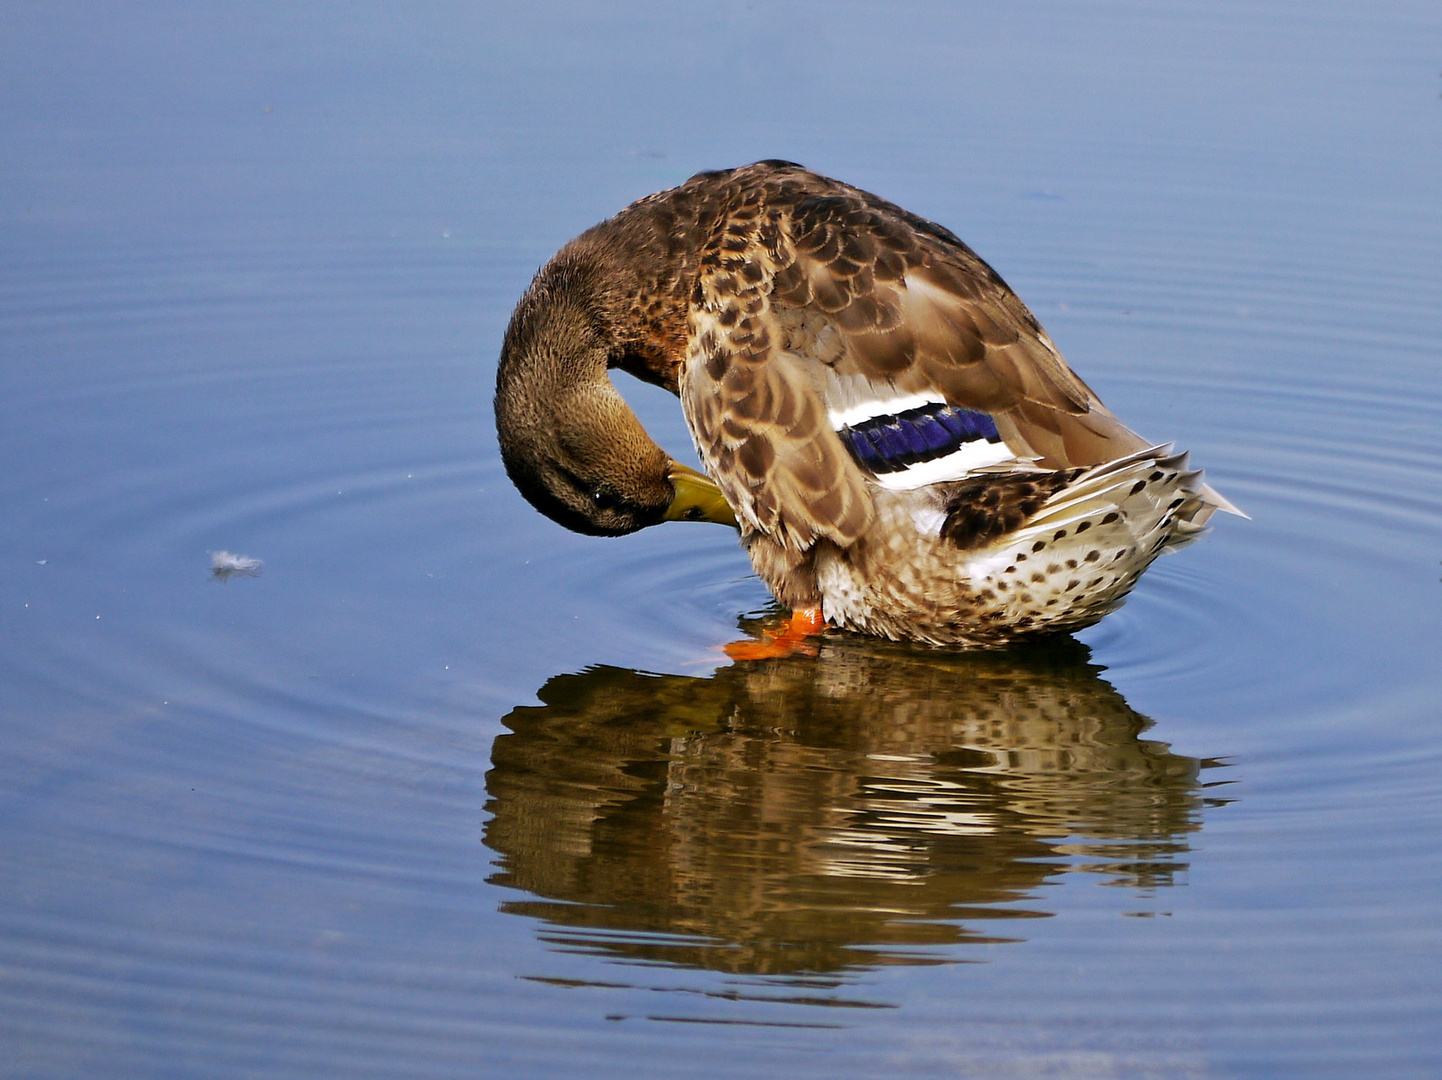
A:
(441, 790)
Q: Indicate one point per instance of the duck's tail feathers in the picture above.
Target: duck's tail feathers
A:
(1154, 489)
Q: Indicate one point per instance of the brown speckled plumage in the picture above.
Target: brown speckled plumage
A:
(781, 305)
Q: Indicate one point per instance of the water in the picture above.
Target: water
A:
(446, 791)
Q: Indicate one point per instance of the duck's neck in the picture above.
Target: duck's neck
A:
(560, 337)
(637, 272)
(552, 382)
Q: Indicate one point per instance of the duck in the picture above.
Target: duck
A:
(901, 446)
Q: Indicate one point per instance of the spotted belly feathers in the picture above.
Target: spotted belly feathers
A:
(1072, 560)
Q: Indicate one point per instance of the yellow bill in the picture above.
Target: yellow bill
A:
(697, 498)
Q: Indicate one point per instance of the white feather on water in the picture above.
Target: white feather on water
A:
(223, 564)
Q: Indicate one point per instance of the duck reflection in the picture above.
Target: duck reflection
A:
(855, 808)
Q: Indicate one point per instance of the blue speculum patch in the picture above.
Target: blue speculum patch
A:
(891, 443)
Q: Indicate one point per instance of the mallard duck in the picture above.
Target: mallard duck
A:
(902, 447)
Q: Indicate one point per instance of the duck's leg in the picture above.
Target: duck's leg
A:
(792, 638)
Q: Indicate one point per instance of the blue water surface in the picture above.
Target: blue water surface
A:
(442, 790)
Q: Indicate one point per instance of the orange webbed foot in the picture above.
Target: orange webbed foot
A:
(792, 639)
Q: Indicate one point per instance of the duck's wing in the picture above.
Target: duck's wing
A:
(819, 306)
(919, 311)
(762, 428)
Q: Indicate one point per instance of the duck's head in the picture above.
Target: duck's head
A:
(570, 443)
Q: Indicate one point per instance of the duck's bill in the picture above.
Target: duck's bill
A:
(697, 498)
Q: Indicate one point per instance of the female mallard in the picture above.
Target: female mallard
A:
(903, 448)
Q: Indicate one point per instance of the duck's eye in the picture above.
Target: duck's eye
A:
(604, 500)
